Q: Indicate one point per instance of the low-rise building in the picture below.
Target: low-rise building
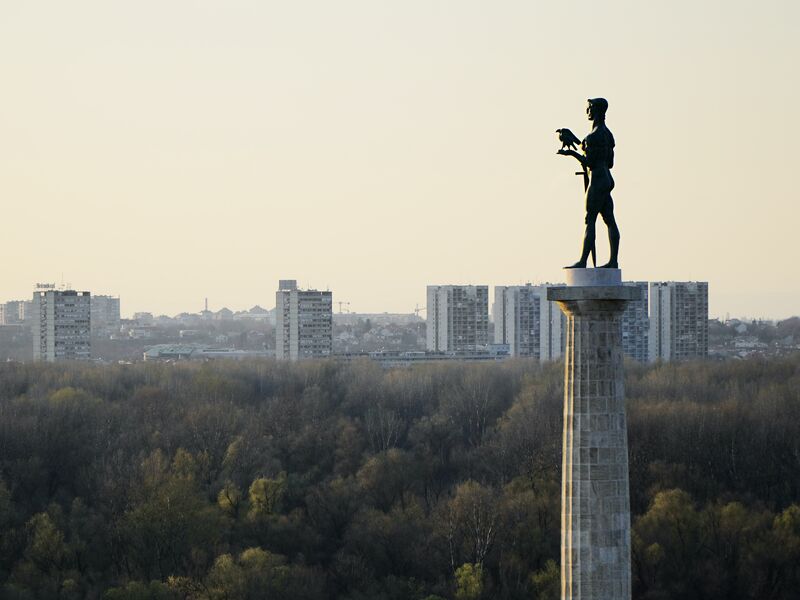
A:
(176, 352)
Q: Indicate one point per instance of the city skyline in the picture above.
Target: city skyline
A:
(343, 306)
(169, 153)
(673, 324)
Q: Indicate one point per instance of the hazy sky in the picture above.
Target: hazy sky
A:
(171, 150)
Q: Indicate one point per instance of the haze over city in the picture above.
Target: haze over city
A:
(168, 152)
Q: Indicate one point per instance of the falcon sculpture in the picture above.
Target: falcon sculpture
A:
(568, 139)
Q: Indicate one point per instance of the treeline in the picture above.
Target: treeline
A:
(765, 331)
(323, 480)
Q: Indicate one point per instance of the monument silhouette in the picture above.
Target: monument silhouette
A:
(597, 161)
(595, 499)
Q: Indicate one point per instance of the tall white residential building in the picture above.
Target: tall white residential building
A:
(303, 322)
(105, 315)
(458, 318)
(678, 320)
(61, 323)
(528, 322)
(553, 337)
(517, 319)
(499, 317)
(636, 325)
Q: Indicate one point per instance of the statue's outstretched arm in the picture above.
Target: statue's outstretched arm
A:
(579, 157)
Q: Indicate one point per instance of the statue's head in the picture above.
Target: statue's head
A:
(596, 108)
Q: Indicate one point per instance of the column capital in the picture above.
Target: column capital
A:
(574, 293)
(595, 299)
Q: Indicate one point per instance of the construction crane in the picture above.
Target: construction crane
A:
(418, 309)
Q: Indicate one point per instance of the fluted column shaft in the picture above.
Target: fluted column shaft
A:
(595, 509)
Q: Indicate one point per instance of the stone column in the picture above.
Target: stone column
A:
(595, 502)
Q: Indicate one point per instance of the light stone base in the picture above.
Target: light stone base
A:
(595, 501)
(592, 277)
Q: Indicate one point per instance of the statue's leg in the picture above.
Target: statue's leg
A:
(592, 210)
(613, 234)
(588, 240)
(589, 236)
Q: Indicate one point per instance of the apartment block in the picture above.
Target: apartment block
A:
(531, 325)
(303, 322)
(458, 318)
(524, 325)
(678, 320)
(636, 325)
(61, 323)
(553, 337)
(499, 316)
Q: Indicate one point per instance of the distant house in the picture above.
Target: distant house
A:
(223, 314)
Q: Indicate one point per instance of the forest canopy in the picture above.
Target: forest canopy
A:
(323, 480)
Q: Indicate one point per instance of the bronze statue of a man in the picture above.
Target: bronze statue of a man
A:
(598, 160)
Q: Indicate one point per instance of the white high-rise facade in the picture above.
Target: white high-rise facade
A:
(303, 322)
(528, 322)
(499, 316)
(517, 318)
(553, 336)
(458, 318)
(61, 324)
(678, 320)
(636, 325)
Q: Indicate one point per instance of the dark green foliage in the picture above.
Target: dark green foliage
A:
(322, 480)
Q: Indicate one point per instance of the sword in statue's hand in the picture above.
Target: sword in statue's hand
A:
(585, 174)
